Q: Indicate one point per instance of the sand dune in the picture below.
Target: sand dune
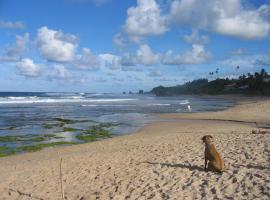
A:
(161, 161)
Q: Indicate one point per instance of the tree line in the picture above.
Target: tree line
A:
(250, 84)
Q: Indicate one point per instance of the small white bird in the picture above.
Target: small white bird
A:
(189, 108)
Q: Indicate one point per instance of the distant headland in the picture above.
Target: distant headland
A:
(249, 84)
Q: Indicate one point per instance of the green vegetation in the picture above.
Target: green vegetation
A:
(69, 129)
(5, 151)
(50, 126)
(28, 138)
(257, 84)
(61, 122)
(38, 147)
(41, 141)
(95, 132)
(69, 121)
(9, 138)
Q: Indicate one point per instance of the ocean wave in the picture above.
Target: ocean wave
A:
(184, 102)
(27, 100)
(20, 98)
(159, 104)
(112, 105)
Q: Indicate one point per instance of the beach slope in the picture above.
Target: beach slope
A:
(163, 160)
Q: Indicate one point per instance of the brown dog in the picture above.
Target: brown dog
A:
(215, 161)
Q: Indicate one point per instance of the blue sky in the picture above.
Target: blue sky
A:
(127, 45)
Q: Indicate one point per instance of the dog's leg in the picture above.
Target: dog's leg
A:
(205, 164)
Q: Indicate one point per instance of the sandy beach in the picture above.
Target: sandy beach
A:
(163, 160)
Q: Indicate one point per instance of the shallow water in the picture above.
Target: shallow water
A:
(34, 113)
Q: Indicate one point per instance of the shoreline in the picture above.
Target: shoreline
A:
(162, 160)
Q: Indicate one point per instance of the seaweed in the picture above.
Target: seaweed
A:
(5, 151)
(69, 121)
(28, 138)
(9, 138)
(3, 148)
(94, 133)
(86, 138)
(33, 148)
(69, 129)
(50, 126)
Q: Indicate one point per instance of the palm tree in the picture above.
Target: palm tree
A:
(237, 69)
(211, 74)
(217, 71)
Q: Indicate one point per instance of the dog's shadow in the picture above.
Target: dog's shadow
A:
(183, 166)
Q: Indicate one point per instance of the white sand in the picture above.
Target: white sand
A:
(161, 161)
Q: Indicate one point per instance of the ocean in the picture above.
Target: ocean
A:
(42, 118)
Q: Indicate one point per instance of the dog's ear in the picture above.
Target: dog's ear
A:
(211, 136)
(203, 138)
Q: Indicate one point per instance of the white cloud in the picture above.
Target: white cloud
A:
(133, 68)
(239, 51)
(60, 72)
(145, 56)
(196, 55)
(63, 75)
(196, 38)
(110, 61)
(28, 68)
(155, 73)
(224, 17)
(11, 25)
(15, 52)
(145, 19)
(128, 60)
(86, 60)
(55, 45)
(119, 41)
(263, 60)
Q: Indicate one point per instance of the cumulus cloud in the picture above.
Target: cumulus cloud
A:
(196, 55)
(196, 38)
(143, 56)
(119, 41)
(55, 45)
(86, 60)
(110, 61)
(11, 25)
(133, 68)
(128, 60)
(60, 72)
(223, 17)
(242, 61)
(155, 73)
(145, 19)
(263, 60)
(28, 68)
(15, 52)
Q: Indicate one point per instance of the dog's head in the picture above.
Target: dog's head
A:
(207, 138)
